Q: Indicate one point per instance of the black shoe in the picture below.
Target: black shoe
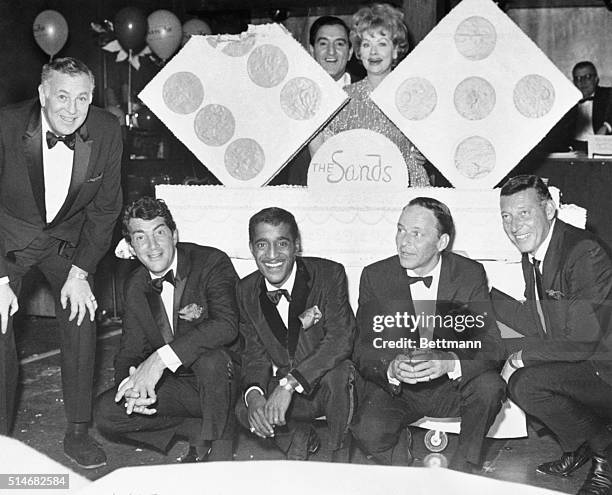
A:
(192, 456)
(569, 462)
(84, 450)
(599, 479)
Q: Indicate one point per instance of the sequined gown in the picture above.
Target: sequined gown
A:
(362, 113)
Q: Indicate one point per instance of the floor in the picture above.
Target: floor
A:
(40, 420)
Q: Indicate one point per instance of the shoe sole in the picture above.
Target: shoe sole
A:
(92, 466)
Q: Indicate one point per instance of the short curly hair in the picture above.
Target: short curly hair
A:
(385, 17)
(145, 208)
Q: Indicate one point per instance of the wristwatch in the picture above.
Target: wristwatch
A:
(287, 384)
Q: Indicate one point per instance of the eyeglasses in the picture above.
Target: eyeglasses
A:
(586, 77)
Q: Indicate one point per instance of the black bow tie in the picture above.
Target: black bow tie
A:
(426, 280)
(275, 295)
(158, 283)
(584, 100)
(68, 140)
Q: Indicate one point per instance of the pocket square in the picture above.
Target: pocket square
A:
(190, 312)
(96, 178)
(555, 294)
(310, 317)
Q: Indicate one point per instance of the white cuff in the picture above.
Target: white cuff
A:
(254, 387)
(4, 280)
(391, 380)
(608, 127)
(456, 371)
(169, 358)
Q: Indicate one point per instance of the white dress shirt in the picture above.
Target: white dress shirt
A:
(57, 170)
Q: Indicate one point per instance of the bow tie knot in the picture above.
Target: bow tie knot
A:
(68, 140)
(426, 280)
(584, 100)
(275, 295)
(158, 283)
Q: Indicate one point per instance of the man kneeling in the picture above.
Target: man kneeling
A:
(298, 329)
(176, 363)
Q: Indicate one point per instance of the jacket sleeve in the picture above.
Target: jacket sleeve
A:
(339, 333)
(217, 284)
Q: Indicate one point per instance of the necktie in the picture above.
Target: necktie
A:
(275, 295)
(158, 283)
(584, 100)
(539, 292)
(426, 280)
(68, 140)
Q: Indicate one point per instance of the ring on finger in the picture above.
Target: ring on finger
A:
(252, 430)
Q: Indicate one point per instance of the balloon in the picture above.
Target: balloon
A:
(165, 33)
(130, 28)
(50, 31)
(194, 26)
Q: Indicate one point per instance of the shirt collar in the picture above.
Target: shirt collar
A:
(288, 285)
(434, 273)
(345, 80)
(541, 251)
(173, 266)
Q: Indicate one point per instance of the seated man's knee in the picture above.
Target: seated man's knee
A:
(214, 364)
(373, 431)
(490, 387)
(108, 415)
(340, 376)
(521, 387)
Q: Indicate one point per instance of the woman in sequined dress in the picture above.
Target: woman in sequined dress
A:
(380, 39)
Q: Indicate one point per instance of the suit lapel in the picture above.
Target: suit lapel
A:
(399, 296)
(183, 269)
(32, 144)
(530, 291)
(270, 313)
(299, 295)
(80, 166)
(159, 315)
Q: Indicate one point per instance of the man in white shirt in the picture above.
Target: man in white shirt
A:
(177, 364)
(426, 345)
(298, 329)
(560, 370)
(60, 195)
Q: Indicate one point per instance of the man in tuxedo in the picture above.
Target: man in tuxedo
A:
(442, 364)
(592, 115)
(562, 367)
(298, 329)
(177, 365)
(330, 46)
(58, 205)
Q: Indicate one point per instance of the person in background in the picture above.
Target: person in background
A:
(60, 195)
(330, 46)
(379, 37)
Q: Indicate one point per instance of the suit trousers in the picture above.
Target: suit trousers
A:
(381, 416)
(77, 343)
(569, 398)
(333, 397)
(199, 406)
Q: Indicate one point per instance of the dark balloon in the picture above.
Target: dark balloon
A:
(131, 28)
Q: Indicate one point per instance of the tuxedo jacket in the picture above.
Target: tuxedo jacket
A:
(87, 217)
(205, 277)
(306, 353)
(577, 286)
(463, 296)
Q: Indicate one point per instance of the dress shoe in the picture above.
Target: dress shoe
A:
(599, 479)
(192, 456)
(84, 450)
(569, 462)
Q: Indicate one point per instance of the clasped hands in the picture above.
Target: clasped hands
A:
(138, 389)
(264, 414)
(422, 365)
